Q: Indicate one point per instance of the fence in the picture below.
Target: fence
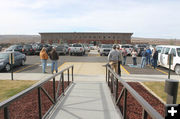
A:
(113, 82)
(39, 87)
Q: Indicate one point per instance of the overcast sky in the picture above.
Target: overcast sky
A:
(144, 18)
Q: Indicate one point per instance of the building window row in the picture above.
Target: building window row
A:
(97, 37)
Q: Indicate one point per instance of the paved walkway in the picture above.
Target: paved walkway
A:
(87, 100)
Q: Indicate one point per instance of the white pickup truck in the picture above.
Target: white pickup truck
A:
(76, 49)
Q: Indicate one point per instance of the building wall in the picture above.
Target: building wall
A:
(102, 38)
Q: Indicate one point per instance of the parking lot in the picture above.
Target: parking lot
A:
(33, 64)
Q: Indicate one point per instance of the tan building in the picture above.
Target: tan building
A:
(86, 37)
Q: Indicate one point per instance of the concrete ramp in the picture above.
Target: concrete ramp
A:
(86, 100)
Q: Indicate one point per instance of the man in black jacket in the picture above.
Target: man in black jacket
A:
(155, 58)
(54, 58)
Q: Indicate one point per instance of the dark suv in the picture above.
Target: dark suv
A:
(28, 50)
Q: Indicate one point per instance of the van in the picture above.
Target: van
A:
(164, 51)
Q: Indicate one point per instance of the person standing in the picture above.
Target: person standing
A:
(120, 60)
(134, 56)
(143, 59)
(113, 59)
(54, 58)
(44, 58)
(155, 58)
(148, 57)
(124, 54)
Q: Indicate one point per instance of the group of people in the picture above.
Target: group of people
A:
(117, 57)
(149, 57)
(53, 55)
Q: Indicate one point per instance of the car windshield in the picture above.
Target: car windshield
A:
(4, 55)
(27, 46)
(106, 46)
(126, 46)
(77, 45)
(11, 47)
(178, 51)
(144, 46)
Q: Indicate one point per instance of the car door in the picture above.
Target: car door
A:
(173, 52)
(17, 58)
(165, 57)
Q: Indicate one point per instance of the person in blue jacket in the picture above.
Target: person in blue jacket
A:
(148, 57)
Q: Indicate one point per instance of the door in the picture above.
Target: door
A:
(165, 57)
(173, 52)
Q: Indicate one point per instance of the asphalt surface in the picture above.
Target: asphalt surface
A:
(33, 65)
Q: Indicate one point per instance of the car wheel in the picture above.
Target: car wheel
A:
(177, 69)
(22, 62)
(8, 67)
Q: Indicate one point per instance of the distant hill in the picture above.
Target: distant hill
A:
(161, 41)
(19, 38)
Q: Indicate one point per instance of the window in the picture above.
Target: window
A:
(89, 36)
(178, 51)
(113, 37)
(159, 49)
(94, 36)
(173, 52)
(99, 37)
(167, 50)
(109, 36)
(104, 36)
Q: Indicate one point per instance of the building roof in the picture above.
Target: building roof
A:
(84, 33)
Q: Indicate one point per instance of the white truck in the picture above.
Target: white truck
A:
(76, 49)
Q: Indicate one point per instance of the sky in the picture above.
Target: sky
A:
(143, 18)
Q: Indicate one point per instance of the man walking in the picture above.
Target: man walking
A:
(113, 59)
(155, 58)
(54, 57)
(120, 60)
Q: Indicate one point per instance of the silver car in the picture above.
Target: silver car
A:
(19, 59)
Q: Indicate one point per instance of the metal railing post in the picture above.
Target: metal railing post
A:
(54, 89)
(6, 113)
(68, 76)
(144, 116)
(72, 73)
(117, 87)
(108, 76)
(39, 103)
(112, 76)
(125, 102)
(106, 73)
(63, 83)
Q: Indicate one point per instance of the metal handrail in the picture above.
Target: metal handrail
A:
(38, 85)
(145, 105)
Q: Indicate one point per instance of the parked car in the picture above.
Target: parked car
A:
(105, 49)
(92, 47)
(128, 48)
(19, 59)
(15, 48)
(37, 48)
(86, 47)
(61, 49)
(164, 51)
(139, 48)
(28, 50)
(75, 49)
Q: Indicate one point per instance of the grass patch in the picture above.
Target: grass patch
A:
(9, 88)
(158, 89)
